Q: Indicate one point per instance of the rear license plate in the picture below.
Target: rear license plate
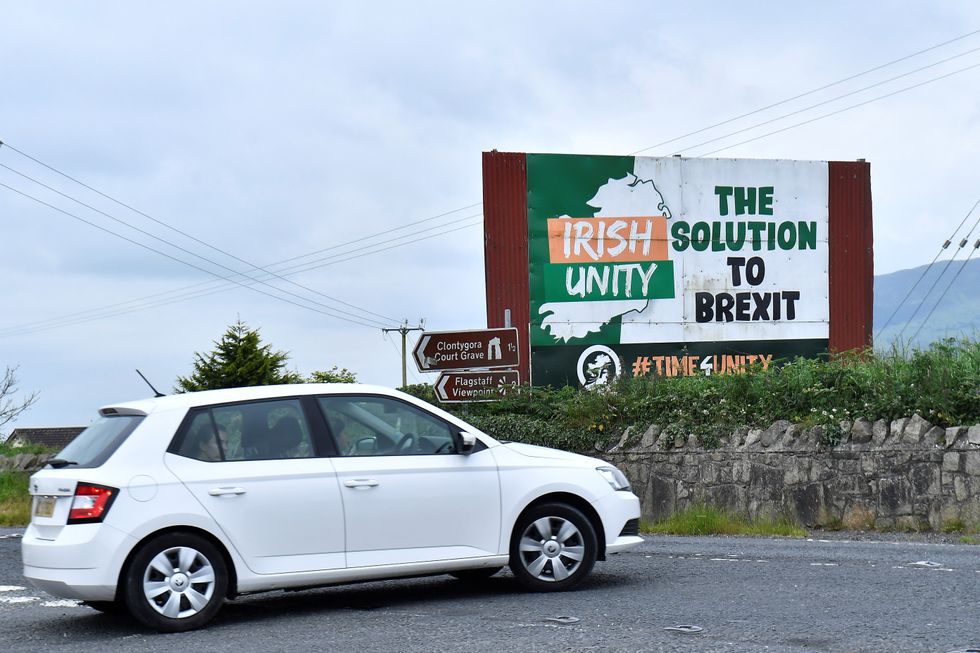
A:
(44, 507)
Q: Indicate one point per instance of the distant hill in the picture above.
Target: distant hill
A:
(958, 314)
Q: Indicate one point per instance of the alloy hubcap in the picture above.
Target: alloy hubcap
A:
(552, 549)
(179, 582)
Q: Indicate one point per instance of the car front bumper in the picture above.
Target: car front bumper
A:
(616, 509)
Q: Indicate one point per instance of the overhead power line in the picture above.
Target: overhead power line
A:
(906, 57)
(952, 281)
(387, 320)
(207, 288)
(183, 262)
(810, 92)
(827, 115)
(942, 248)
(270, 272)
(392, 230)
(840, 97)
(158, 300)
(949, 262)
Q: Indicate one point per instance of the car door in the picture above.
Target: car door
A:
(409, 495)
(253, 467)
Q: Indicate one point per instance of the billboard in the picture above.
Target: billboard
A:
(671, 266)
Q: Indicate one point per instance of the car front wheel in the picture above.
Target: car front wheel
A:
(176, 582)
(553, 548)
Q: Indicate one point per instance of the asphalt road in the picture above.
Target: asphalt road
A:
(745, 594)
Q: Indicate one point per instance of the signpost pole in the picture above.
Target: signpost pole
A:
(404, 369)
(404, 329)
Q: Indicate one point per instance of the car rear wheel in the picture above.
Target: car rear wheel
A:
(176, 582)
(553, 548)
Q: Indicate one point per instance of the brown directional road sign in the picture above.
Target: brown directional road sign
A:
(464, 350)
(458, 387)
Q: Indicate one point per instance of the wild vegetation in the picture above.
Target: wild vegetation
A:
(705, 520)
(15, 502)
(941, 383)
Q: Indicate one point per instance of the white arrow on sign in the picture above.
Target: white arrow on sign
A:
(420, 358)
(441, 388)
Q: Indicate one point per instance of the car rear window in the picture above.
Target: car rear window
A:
(94, 445)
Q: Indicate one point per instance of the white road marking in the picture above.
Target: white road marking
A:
(925, 568)
(62, 603)
(18, 599)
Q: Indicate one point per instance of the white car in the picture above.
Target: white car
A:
(166, 507)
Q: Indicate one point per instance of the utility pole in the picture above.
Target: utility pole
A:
(404, 329)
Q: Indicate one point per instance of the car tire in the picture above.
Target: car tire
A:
(474, 575)
(553, 548)
(176, 582)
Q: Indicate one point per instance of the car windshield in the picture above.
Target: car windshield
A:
(94, 445)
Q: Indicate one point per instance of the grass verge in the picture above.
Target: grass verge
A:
(15, 502)
(704, 520)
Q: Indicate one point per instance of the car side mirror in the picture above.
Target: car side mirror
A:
(365, 446)
(466, 442)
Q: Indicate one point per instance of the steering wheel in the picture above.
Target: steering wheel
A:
(406, 442)
(445, 446)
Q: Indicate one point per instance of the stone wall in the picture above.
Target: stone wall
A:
(23, 462)
(903, 474)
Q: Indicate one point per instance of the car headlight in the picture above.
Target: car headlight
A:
(615, 478)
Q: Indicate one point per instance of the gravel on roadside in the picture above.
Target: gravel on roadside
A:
(924, 537)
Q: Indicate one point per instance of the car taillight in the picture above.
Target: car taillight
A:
(91, 503)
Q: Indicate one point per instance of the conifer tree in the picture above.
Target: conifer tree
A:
(239, 359)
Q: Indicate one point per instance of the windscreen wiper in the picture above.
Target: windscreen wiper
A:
(58, 463)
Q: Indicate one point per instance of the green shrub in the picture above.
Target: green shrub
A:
(941, 383)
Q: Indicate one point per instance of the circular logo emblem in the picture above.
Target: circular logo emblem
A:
(598, 365)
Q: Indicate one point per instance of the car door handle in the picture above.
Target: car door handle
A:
(361, 482)
(225, 491)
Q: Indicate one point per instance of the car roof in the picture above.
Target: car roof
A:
(188, 400)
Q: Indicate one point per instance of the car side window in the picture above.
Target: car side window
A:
(200, 440)
(381, 426)
(260, 430)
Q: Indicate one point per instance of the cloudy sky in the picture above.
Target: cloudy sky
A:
(340, 143)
